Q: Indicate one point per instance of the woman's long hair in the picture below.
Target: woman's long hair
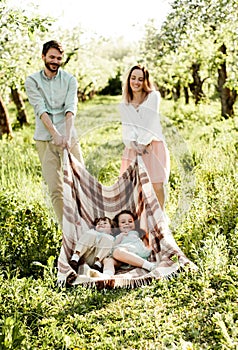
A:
(147, 84)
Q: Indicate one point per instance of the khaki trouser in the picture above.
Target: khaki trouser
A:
(51, 158)
(92, 245)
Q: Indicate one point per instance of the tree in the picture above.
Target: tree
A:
(194, 33)
(93, 60)
(5, 125)
(228, 96)
(18, 100)
(17, 44)
(114, 86)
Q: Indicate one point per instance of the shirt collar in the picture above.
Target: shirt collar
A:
(47, 78)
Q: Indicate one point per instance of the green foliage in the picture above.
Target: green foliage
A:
(214, 158)
(28, 229)
(28, 234)
(114, 86)
(24, 163)
(99, 131)
(11, 336)
(192, 311)
(193, 33)
(101, 164)
(17, 43)
(94, 75)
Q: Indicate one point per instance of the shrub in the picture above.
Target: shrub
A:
(28, 234)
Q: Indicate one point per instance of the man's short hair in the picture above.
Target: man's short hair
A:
(52, 44)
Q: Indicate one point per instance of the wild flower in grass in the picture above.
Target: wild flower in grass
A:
(186, 345)
(67, 341)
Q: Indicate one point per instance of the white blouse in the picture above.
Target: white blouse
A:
(141, 124)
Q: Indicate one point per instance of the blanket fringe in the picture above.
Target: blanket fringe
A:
(126, 281)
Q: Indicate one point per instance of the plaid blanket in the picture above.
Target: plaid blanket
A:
(85, 199)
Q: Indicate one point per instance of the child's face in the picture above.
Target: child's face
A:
(103, 225)
(126, 223)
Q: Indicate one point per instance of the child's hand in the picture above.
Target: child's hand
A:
(124, 233)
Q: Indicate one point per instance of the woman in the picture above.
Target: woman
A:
(141, 129)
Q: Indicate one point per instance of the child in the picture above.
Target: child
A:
(94, 245)
(128, 245)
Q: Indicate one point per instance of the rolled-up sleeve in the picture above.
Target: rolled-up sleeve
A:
(35, 97)
(71, 100)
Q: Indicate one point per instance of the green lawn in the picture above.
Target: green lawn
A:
(191, 311)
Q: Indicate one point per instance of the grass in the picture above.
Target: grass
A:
(189, 312)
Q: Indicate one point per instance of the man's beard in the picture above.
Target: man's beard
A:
(50, 69)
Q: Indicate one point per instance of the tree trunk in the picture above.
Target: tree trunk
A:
(163, 91)
(21, 112)
(186, 95)
(5, 124)
(227, 96)
(196, 86)
(176, 91)
(82, 94)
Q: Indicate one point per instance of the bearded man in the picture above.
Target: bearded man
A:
(53, 94)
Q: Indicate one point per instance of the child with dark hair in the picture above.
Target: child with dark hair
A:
(94, 245)
(128, 245)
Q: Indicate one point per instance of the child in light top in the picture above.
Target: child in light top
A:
(128, 247)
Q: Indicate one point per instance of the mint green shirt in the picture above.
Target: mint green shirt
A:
(56, 96)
